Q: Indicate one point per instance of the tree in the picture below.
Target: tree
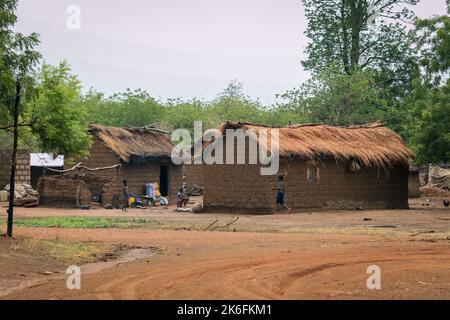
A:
(359, 34)
(61, 120)
(427, 125)
(338, 99)
(229, 97)
(433, 42)
(138, 108)
(17, 60)
(38, 106)
(362, 59)
(133, 108)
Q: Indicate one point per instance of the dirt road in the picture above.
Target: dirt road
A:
(241, 265)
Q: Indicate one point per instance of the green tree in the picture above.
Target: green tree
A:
(25, 101)
(129, 108)
(433, 42)
(427, 125)
(182, 114)
(365, 35)
(138, 108)
(359, 34)
(338, 99)
(61, 120)
(17, 60)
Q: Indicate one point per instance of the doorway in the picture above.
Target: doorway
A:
(164, 181)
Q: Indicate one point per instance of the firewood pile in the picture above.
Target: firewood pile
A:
(24, 195)
(196, 190)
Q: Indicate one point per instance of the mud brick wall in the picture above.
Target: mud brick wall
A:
(138, 175)
(241, 187)
(61, 191)
(5, 167)
(413, 184)
(340, 188)
(101, 156)
(193, 175)
(112, 192)
(23, 171)
(237, 188)
(175, 181)
(96, 180)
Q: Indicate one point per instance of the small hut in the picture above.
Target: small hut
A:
(323, 166)
(144, 155)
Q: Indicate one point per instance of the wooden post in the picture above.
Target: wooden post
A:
(80, 174)
(12, 184)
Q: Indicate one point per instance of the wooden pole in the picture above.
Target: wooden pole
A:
(12, 179)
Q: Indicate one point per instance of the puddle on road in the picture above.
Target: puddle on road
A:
(121, 255)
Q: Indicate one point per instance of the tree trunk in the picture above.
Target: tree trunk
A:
(345, 42)
(12, 179)
(357, 12)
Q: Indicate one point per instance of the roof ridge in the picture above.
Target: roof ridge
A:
(368, 125)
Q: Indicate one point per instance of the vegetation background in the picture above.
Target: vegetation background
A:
(370, 60)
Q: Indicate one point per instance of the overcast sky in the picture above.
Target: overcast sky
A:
(179, 48)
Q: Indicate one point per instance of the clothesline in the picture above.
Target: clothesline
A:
(81, 166)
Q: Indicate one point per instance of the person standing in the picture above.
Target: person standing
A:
(180, 198)
(125, 195)
(280, 195)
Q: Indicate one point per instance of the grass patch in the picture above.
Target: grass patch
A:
(66, 251)
(84, 222)
(45, 251)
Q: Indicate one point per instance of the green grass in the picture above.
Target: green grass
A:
(52, 250)
(66, 251)
(84, 222)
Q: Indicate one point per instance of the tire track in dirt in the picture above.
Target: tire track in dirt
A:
(209, 265)
(186, 277)
(106, 290)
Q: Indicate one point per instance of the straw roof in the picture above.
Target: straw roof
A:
(371, 145)
(129, 142)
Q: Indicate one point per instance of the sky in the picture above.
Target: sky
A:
(178, 48)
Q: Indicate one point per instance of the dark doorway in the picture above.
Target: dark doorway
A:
(164, 181)
(36, 173)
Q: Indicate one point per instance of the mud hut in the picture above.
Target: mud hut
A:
(323, 166)
(144, 154)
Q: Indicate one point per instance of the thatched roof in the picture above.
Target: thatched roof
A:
(130, 142)
(369, 145)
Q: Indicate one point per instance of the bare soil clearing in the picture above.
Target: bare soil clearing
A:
(241, 265)
(25, 261)
(299, 256)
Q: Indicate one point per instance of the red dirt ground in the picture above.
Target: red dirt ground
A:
(300, 256)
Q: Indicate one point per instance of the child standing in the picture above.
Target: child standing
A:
(125, 195)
